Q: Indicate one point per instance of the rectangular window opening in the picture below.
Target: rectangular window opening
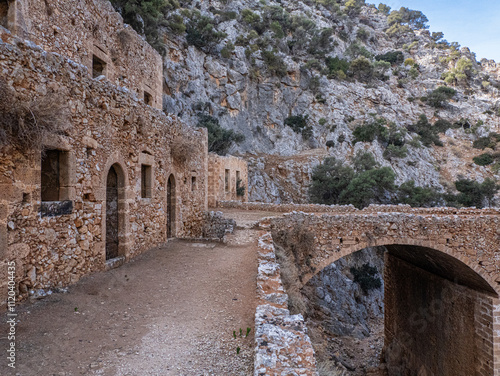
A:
(55, 176)
(4, 13)
(146, 180)
(193, 183)
(98, 67)
(148, 98)
(227, 180)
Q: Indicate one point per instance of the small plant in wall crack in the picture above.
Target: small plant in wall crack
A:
(242, 339)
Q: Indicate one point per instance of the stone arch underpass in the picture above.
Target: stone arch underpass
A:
(442, 281)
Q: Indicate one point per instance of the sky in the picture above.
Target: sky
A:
(474, 24)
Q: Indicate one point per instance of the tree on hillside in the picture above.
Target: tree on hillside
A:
(415, 19)
(146, 17)
(220, 140)
(329, 179)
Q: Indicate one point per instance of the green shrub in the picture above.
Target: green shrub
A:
(483, 143)
(364, 161)
(442, 125)
(414, 72)
(471, 193)
(409, 61)
(175, 24)
(227, 51)
(219, 139)
(411, 18)
(250, 17)
(395, 152)
(145, 17)
(322, 121)
(336, 65)
(299, 124)
(385, 9)
(277, 29)
(341, 138)
(368, 132)
(366, 277)
(353, 7)
(362, 34)
(369, 187)
(438, 97)
(421, 197)
(393, 57)
(428, 134)
(330, 144)
(483, 159)
(357, 50)
(274, 63)
(240, 188)
(328, 180)
(361, 68)
(460, 73)
(201, 32)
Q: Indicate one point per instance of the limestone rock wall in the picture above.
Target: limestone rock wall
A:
(257, 106)
(55, 243)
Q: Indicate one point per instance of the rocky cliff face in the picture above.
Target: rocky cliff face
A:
(346, 322)
(245, 96)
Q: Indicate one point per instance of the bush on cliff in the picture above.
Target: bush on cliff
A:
(220, 140)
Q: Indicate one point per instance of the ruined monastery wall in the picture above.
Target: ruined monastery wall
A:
(55, 243)
(89, 31)
(225, 175)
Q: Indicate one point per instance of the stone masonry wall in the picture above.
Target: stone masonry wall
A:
(220, 189)
(106, 127)
(460, 246)
(81, 29)
(345, 209)
(472, 238)
(282, 344)
(435, 326)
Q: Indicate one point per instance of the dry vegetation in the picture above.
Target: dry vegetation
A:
(181, 149)
(24, 124)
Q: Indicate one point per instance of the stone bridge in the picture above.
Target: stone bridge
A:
(441, 277)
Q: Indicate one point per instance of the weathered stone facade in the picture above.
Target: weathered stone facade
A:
(282, 346)
(92, 34)
(120, 188)
(227, 179)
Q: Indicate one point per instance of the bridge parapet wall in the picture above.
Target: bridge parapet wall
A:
(343, 209)
(471, 239)
(282, 346)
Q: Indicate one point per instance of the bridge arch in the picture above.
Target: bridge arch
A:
(477, 277)
(442, 311)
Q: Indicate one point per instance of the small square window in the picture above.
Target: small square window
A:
(98, 67)
(148, 98)
(146, 181)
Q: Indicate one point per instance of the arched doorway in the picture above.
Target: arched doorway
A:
(112, 213)
(171, 199)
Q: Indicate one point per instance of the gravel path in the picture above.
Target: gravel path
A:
(171, 311)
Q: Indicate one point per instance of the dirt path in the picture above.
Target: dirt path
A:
(171, 311)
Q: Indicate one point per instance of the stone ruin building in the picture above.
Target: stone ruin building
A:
(119, 176)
